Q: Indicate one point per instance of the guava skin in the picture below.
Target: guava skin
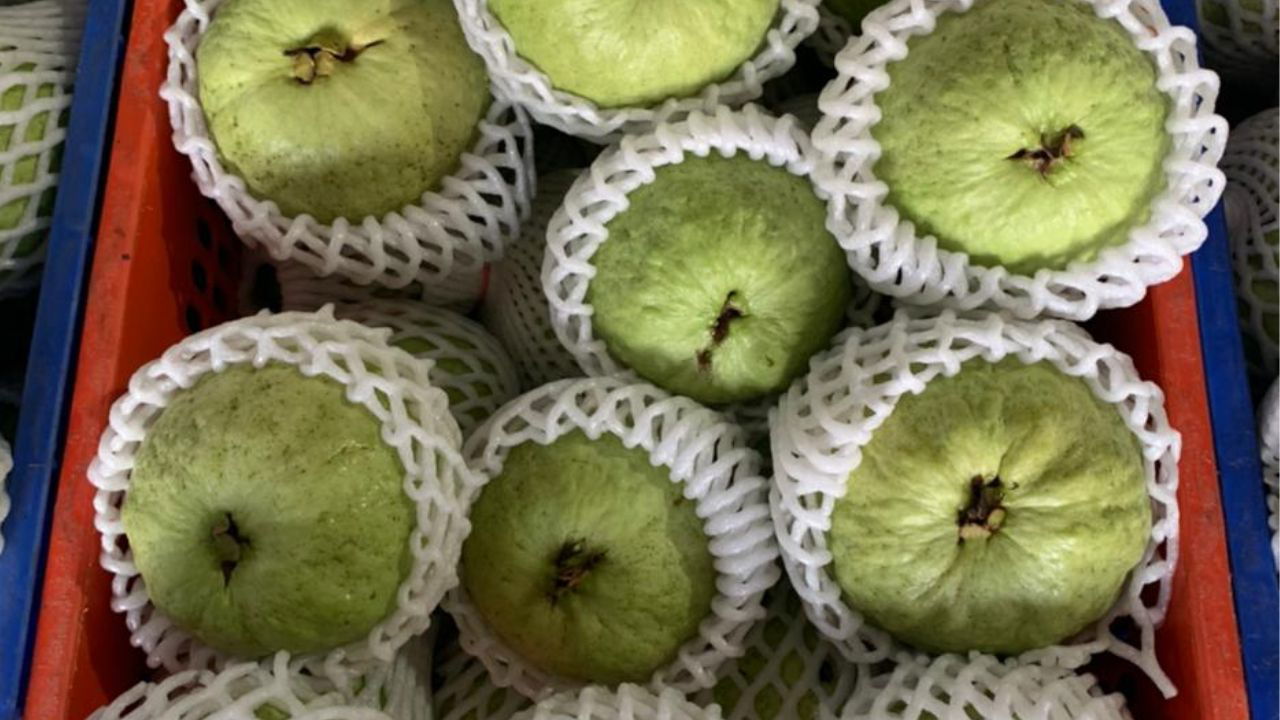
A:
(1046, 149)
(266, 513)
(1034, 552)
(340, 109)
(587, 561)
(619, 53)
(720, 280)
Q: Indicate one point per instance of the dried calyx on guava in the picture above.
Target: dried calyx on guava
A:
(619, 53)
(265, 512)
(587, 560)
(340, 109)
(1029, 134)
(719, 280)
(1000, 509)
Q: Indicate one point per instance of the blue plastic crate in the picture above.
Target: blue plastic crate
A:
(1253, 568)
(47, 385)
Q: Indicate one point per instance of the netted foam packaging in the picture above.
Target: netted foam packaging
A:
(393, 385)
(467, 362)
(443, 242)
(954, 687)
(1252, 165)
(6, 465)
(889, 254)
(242, 691)
(705, 453)
(467, 693)
(578, 228)
(1240, 38)
(828, 416)
(788, 670)
(530, 88)
(301, 288)
(629, 702)
(515, 309)
(39, 49)
(1269, 441)
(832, 35)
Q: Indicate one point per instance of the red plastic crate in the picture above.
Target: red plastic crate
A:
(166, 264)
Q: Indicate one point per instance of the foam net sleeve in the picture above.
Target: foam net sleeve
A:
(706, 455)
(394, 387)
(896, 260)
(826, 418)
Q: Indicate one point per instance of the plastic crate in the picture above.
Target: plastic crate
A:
(47, 385)
(1253, 567)
(166, 264)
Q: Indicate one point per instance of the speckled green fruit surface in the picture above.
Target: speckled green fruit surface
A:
(720, 280)
(853, 10)
(587, 561)
(266, 513)
(999, 510)
(1046, 149)
(635, 52)
(336, 108)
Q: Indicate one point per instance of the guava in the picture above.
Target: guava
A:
(853, 10)
(720, 280)
(999, 510)
(340, 109)
(1029, 134)
(28, 168)
(619, 53)
(265, 512)
(587, 560)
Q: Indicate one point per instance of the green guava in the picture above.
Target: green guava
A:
(853, 10)
(1027, 133)
(587, 561)
(266, 513)
(720, 280)
(619, 53)
(340, 109)
(28, 168)
(999, 510)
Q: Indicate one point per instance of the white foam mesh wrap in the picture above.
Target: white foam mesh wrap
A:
(530, 88)
(6, 466)
(825, 418)
(886, 250)
(445, 239)
(1252, 165)
(237, 693)
(954, 687)
(704, 452)
(629, 702)
(516, 309)
(787, 671)
(302, 289)
(467, 362)
(831, 36)
(39, 49)
(467, 693)
(390, 383)
(1245, 45)
(1269, 443)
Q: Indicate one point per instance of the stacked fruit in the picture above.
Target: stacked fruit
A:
(971, 499)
